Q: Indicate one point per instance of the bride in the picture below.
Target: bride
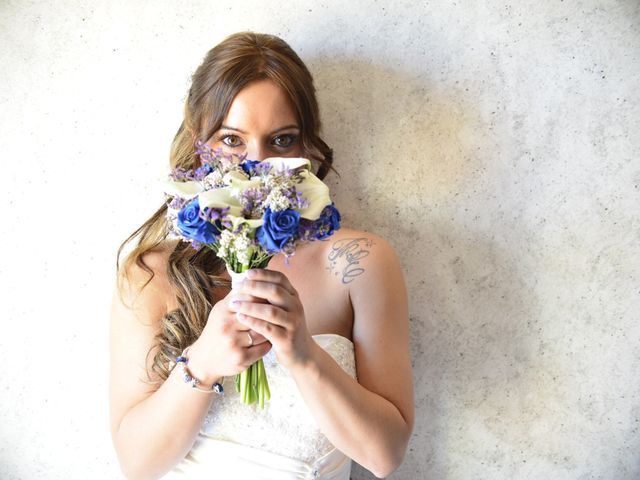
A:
(331, 326)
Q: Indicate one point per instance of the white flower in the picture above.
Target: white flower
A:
(213, 180)
(252, 223)
(311, 187)
(239, 182)
(283, 163)
(276, 201)
(220, 198)
(242, 247)
(316, 192)
(183, 189)
(224, 248)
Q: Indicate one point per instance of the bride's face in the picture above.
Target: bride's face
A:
(261, 123)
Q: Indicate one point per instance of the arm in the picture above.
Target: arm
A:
(153, 429)
(370, 420)
(379, 406)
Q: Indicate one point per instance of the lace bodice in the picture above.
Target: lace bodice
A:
(286, 426)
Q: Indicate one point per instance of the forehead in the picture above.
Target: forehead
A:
(259, 106)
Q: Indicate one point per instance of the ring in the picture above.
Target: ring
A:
(250, 338)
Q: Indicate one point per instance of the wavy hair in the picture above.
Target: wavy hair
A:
(227, 68)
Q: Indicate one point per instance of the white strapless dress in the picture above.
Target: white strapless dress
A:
(281, 442)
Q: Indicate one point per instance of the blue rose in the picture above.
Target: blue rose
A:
(203, 171)
(328, 222)
(192, 226)
(277, 229)
(248, 165)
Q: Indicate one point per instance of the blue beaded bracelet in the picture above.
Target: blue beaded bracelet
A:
(182, 361)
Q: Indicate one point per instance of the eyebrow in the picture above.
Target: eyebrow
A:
(227, 127)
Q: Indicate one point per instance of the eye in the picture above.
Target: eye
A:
(284, 141)
(232, 145)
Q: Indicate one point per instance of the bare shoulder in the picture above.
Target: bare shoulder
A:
(155, 259)
(150, 275)
(139, 302)
(350, 254)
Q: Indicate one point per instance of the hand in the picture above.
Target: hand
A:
(224, 347)
(281, 320)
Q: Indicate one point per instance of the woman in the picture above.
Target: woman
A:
(331, 326)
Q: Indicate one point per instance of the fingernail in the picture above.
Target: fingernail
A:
(251, 273)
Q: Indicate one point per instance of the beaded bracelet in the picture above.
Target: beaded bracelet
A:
(182, 361)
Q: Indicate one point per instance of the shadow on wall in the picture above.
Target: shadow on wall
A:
(403, 150)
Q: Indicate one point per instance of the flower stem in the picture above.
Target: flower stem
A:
(252, 383)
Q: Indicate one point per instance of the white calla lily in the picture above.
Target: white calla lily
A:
(281, 163)
(316, 192)
(220, 198)
(183, 189)
(237, 221)
(239, 182)
(234, 175)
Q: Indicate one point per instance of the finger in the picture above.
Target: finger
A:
(247, 337)
(270, 330)
(273, 293)
(258, 351)
(238, 336)
(262, 311)
(273, 276)
(240, 331)
(245, 297)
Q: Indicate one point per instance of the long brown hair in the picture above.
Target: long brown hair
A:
(193, 274)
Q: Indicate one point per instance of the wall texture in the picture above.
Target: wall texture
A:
(495, 144)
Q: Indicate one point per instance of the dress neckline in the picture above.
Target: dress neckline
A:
(332, 335)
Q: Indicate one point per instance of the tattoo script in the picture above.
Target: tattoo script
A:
(348, 252)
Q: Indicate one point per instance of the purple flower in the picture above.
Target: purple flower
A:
(278, 229)
(249, 165)
(328, 222)
(307, 230)
(175, 203)
(205, 152)
(179, 174)
(193, 226)
(251, 200)
(203, 171)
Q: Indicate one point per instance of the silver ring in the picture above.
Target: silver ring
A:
(250, 338)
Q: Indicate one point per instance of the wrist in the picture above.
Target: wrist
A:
(309, 367)
(199, 369)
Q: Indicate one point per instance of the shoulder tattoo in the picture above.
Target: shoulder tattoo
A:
(345, 255)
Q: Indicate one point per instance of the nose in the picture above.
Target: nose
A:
(257, 151)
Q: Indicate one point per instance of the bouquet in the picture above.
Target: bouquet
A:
(247, 211)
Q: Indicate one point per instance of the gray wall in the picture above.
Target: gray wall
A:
(495, 144)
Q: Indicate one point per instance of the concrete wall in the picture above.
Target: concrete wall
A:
(495, 144)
